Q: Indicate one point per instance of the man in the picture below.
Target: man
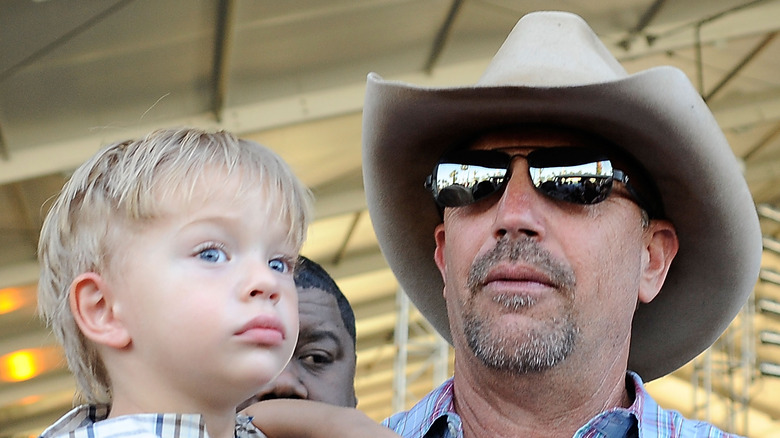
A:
(607, 234)
(322, 367)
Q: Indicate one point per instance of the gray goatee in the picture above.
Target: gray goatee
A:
(538, 349)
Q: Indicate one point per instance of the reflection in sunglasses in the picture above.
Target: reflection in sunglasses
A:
(571, 174)
(473, 175)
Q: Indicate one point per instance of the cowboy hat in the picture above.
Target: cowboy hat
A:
(553, 69)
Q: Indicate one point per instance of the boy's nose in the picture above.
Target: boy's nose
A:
(263, 282)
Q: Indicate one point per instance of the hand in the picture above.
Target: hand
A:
(288, 418)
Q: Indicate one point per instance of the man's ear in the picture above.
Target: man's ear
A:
(661, 245)
(93, 308)
(438, 254)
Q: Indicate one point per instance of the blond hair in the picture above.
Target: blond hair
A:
(130, 181)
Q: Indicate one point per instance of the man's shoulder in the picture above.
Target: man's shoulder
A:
(655, 421)
(420, 419)
(673, 424)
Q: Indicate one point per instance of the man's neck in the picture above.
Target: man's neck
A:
(544, 404)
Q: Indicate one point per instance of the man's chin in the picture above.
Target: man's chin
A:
(521, 348)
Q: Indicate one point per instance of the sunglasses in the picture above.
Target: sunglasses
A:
(572, 174)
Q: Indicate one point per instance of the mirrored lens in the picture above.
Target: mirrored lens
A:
(587, 183)
(460, 184)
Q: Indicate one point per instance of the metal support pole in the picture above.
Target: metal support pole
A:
(401, 350)
(416, 339)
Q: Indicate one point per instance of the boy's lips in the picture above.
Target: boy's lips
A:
(263, 330)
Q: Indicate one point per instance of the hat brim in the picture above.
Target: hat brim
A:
(671, 133)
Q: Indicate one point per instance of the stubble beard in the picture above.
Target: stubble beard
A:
(538, 349)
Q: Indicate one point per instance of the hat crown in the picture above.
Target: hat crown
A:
(534, 55)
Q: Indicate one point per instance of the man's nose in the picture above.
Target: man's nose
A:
(519, 209)
(286, 385)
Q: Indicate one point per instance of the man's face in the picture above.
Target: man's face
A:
(322, 367)
(531, 281)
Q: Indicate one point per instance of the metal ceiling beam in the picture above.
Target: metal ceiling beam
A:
(63, 39)
(769, 212)
(357, 265)
(747, 110)
(759, 19)
(4, 156)
(342, 249)
(337, 204)
(442, 36)
(762, 171)
(763, 142)
(26, 212)
(64, 156)
(741, 65)
(644, 21)
(223, 39)
(771, 244)
(697, 28)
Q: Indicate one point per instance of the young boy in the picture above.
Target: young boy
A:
(167, 275)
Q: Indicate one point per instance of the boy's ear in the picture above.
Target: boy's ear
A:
(93, 308)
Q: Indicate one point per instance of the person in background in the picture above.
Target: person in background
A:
(617, 242)
(322, 367)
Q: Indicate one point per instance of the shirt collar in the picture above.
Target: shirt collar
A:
(629, 421)
(92, 420)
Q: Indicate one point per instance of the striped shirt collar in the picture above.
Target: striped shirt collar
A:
(91, 421)
(435, 417)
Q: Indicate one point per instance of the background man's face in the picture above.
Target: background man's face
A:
(322, 367)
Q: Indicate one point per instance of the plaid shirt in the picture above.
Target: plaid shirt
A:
(434, 417)
(90, 421)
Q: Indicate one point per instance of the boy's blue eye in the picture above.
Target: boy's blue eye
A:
(278, 265)
(213, 255)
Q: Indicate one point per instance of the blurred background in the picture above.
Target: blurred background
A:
(75, 75)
